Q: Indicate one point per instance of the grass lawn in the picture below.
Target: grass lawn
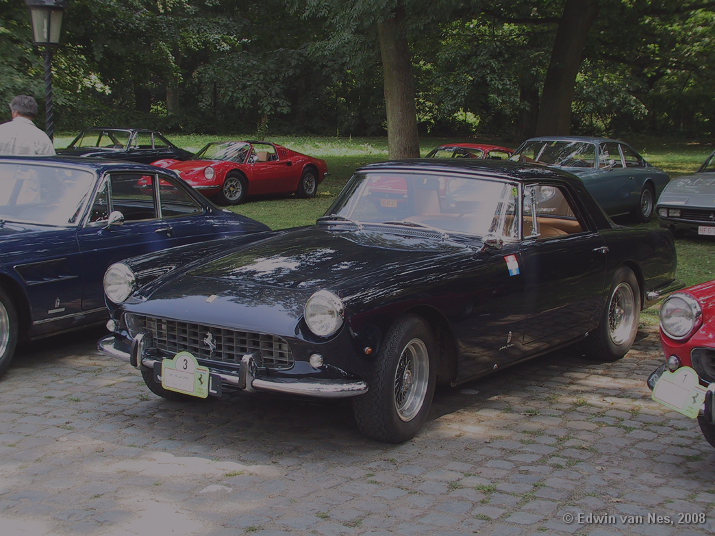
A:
(344, 155)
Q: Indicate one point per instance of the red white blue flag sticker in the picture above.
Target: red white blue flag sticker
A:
(512, 264)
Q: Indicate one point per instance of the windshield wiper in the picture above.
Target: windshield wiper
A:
(412, 223)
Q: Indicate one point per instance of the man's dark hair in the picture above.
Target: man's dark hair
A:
(24, 105)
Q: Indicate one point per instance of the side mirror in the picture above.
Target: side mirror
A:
(115, 219)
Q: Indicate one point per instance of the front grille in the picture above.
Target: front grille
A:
(703, 215)
(231, 345)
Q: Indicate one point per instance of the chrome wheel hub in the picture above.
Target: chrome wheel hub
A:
(4, 329)
(411, 379)
(621, 313)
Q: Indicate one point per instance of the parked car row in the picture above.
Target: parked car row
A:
(619, 178)
(422, 272)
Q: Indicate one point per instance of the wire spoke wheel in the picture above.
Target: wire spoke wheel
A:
(621, 313)
(411, 379)
(4, 329)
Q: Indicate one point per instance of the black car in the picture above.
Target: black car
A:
(421, 272)
(135, 144)
(64, 221)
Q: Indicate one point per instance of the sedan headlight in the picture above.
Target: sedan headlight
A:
(323, 313)
(209, 172)
(119, 282)
(680, 316)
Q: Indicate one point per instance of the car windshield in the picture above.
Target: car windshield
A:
(230, 151)
(456, 152)
(42, 194)
(563, 153)
(103, 139)
(448, 204)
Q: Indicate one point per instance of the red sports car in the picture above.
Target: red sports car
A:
(470, 150)
(232, 170)
(686, 381)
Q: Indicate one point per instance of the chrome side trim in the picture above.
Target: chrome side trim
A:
(78, 315)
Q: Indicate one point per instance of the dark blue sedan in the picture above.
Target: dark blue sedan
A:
(64, 221)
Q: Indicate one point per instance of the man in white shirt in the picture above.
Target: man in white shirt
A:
(20, 136)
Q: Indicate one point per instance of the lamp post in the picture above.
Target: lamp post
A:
(46, 18)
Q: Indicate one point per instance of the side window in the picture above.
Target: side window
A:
(610, 156)
(133, 195)
(498, 154)
(631, 158)
(547, 213)
(175, 201)
(100, 208)
(264, 153)
(159, 142)
(143, 140)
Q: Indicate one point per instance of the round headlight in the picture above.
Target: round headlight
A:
(680, 316)
(119, 282)
(323, 313)
(209, 172)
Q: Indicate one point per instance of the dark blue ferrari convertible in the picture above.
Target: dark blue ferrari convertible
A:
(64, 221)
(422, 272)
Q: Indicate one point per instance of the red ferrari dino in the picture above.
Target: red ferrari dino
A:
(232, 170)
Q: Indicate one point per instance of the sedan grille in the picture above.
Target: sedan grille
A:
(212, 343)
(698, 215)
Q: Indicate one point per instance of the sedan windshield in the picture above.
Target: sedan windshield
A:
(43, 195)
(229, 151)
(447, 204)
(564, 153)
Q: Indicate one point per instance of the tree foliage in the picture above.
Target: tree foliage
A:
(314, 66)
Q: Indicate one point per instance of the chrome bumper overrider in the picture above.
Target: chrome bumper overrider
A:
(245, 378)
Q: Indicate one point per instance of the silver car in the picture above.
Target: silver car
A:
(688, 202)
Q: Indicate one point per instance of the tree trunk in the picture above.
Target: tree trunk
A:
(555, 109)
(402, 137)
(172, 99)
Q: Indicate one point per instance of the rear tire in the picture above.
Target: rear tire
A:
(8, 331)
(619, 321)
(234, 189)
(646, 204)
(401, 385)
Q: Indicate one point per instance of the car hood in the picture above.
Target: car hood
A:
(192, 166)
(270, 281)
(24, 242)
(692, 190)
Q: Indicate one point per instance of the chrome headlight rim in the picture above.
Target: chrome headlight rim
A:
(119, 282)
(680, 316)
(209, 172)
(324, 313)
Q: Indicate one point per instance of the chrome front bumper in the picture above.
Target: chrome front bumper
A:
(245, 378)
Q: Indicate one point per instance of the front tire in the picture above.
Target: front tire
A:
(402, 384)
(646, 204)
(234, 189)
(8, 331)
(156, 388)
(619, 321)
(707, 429)
(308, 185)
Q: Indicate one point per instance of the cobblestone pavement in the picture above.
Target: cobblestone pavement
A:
(556, 446)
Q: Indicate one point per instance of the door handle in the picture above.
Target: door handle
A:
(164, 230)
(289, 163)
(603, 250)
